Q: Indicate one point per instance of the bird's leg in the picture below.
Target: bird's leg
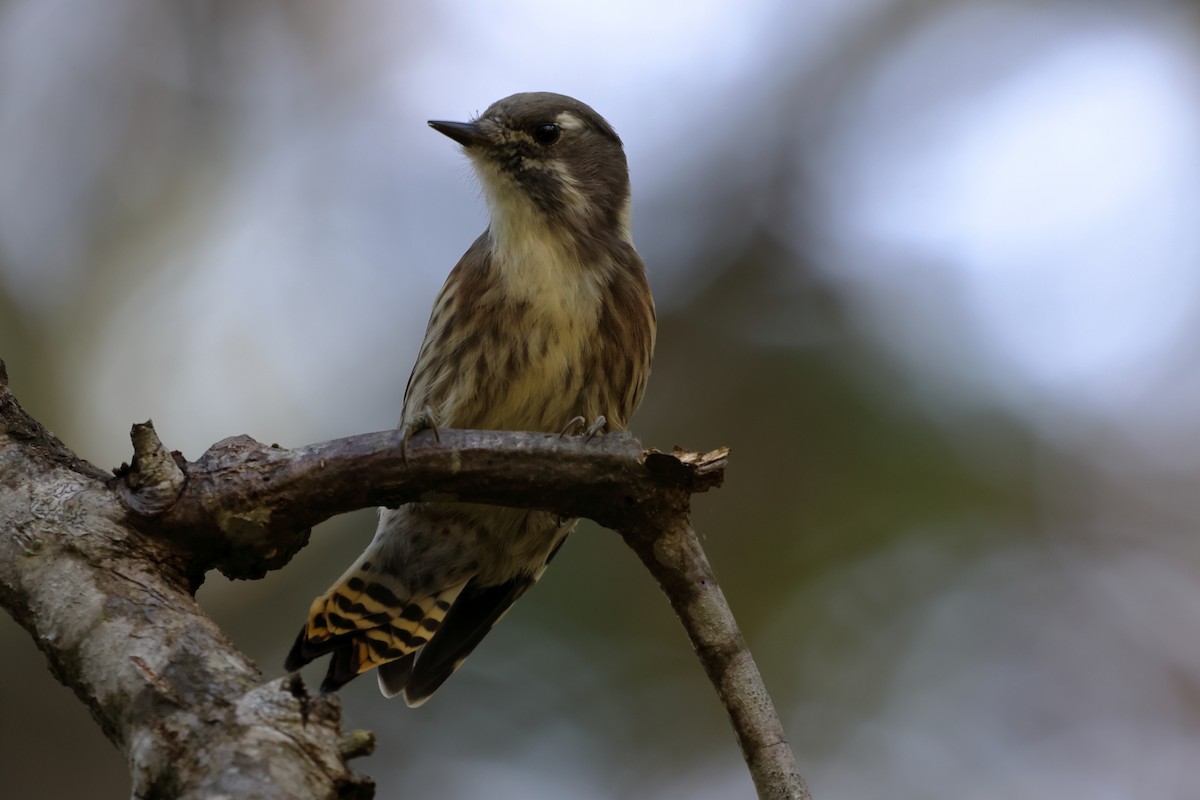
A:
(424, 420)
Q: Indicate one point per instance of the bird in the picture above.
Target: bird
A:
(546, 323)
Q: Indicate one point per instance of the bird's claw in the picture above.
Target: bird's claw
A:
(573, 423)
(596, 427)
(421, 422)
(577, 421)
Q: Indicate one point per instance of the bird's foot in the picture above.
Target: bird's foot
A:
(424, 420)
(598, 426)
(572, 424)
(576, 422)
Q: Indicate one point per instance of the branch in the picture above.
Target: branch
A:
(245, 508)
(674, 556)
(110, 607)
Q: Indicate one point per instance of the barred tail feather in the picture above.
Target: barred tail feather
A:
(367, 620)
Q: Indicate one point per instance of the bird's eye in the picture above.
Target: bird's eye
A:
(547, 134)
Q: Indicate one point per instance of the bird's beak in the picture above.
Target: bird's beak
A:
(468, 134)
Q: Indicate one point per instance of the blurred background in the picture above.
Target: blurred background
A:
(929, 268)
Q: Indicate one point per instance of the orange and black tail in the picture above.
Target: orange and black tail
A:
(365, 620)
(369, 620)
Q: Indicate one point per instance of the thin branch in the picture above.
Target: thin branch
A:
(246, 507)
(674, 556)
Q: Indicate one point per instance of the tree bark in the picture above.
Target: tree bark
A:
(101, 570)
(111, 607)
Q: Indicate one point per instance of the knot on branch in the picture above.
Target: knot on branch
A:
(154, 480)
(254, 528)
(356, 744)
(238, 530)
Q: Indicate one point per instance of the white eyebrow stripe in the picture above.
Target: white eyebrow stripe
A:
(568, 121)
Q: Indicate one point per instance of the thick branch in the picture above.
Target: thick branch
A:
(111, 610)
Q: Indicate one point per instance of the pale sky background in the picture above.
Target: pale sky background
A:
(1050, 189)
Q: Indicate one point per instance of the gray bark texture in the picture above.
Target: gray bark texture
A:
(101, 571)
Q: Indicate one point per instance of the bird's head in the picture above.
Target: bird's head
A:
(547, 158)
